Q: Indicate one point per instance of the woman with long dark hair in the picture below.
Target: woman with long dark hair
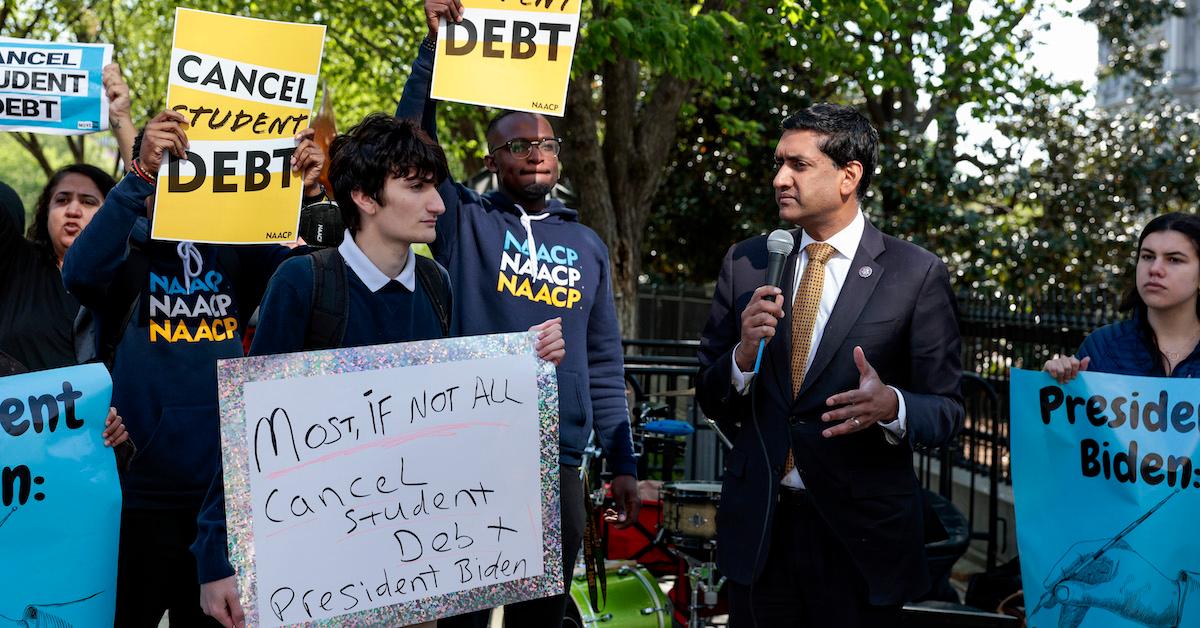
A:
(36, 312)
(1161, 336)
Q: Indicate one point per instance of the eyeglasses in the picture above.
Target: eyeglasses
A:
(521, 147)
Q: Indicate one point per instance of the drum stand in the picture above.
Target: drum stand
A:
(703, 578)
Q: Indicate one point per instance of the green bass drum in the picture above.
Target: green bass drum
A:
(634, 600)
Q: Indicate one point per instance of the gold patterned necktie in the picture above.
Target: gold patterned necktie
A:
(804, 317)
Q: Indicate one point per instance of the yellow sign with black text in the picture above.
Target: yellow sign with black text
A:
(510, 54)
(246, 87)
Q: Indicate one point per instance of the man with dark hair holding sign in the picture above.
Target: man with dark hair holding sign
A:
(516, 257)
(166, 312)
(384, 172)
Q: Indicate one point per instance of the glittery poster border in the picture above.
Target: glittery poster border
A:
(233, 374)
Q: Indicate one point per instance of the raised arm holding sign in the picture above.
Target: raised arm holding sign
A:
(513, 56)
(120, 118)
(517, 256)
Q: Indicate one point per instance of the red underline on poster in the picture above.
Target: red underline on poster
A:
(440, 431)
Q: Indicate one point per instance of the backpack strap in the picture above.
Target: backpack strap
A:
(330, 301)
(435, 281)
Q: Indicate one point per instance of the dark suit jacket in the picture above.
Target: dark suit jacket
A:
(903, 315)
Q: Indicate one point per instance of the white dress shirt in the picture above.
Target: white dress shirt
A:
(369, 273)
(845, 245)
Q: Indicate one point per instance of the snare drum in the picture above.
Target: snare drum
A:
(689, 511)
(634, 600)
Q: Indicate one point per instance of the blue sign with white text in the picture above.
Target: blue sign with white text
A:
(56, 88)
(1106, 480)
(60, 500)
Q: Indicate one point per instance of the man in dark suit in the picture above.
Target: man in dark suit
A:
(820, 517)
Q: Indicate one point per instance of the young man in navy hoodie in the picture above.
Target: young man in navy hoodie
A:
(185, 306)
(516, 257)
(384, 172)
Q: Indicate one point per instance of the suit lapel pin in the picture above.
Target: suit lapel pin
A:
(865, 272)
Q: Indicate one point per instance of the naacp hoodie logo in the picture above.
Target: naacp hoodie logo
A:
(199, 312)
(549, 279)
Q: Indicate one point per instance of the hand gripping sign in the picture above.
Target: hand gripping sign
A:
(245, 87)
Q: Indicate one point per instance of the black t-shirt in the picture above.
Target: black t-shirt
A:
(36, 313)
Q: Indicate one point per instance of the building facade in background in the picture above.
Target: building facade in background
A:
(1181, 65)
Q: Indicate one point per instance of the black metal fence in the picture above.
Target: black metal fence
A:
(1003, 331)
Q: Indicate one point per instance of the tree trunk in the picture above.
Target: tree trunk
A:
(76, 146)
(616, 181)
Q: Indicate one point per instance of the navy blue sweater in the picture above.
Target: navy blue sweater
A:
(1124, 349)
(393, 314)
(164, 369)
(483, 244)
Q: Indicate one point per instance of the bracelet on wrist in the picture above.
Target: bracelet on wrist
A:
(137, 169)
(430, 42)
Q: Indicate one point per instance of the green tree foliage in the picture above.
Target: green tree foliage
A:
(1056, 205)
(637, 66)
(913, 68)
(674, 105)
(1072, 217)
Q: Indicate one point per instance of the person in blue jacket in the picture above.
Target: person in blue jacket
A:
(1160, 338)
(517, 257)
(188, 306)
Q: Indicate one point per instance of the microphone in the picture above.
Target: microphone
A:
(779, 245)
(321, 224)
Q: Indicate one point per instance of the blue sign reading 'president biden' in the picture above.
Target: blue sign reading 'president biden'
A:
(1107, 492)
(60, 501)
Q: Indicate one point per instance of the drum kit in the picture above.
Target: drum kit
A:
(678, 539)
(674, 538)
(634, 599)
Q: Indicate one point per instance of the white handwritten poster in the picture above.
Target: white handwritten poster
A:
(384, 482)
